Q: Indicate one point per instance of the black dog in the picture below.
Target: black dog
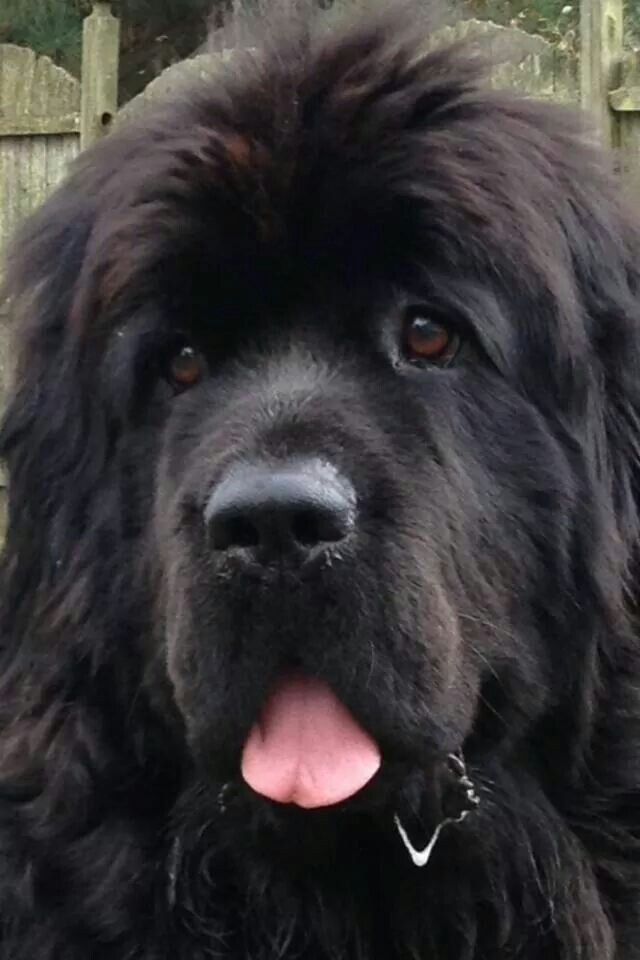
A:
(323, 458)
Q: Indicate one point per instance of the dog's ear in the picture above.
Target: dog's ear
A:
(611, 281)
(593, 277)
(62, 567)
(48, 438)
(70, 735)
(603, 235)
(605, 244)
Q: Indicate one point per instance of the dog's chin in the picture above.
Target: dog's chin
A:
(296, 836)
(308, 776)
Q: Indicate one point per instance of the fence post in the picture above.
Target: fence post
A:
(625, 101)
(100, 55)
(601, 34)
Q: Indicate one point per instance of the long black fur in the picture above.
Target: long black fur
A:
(282, 218)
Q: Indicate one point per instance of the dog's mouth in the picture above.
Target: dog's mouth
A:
(306, 748)
(307, 752)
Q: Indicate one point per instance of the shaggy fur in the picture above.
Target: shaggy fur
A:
(282, 221)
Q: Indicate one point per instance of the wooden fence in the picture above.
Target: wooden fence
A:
(47, 116)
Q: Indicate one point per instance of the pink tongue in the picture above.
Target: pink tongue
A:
(307, 749)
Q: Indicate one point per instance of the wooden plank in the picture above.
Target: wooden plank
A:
(39, 111)
(521, 61)
(39, 121)
(601, 32)
(39, 136)
(5, 379)
(626, 97)
(30, 168)
(625, 100)
(100, 52)
(34, 89)
(39, 126)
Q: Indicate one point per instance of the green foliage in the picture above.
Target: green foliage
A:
(54, 27)
(47, 26)
(632, 21)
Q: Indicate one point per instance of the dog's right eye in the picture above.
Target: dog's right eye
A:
(429, 339)
(185, 367)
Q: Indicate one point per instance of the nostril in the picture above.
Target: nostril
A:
(305, 528)
(234, 531)
(313, 527)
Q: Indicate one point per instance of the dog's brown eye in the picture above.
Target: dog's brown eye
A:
(186, 367)
(430, 340)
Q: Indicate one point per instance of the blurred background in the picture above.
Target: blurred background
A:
(157, 33)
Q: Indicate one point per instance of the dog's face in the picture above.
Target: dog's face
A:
(335, 496)
(355, 413)
(354, 478)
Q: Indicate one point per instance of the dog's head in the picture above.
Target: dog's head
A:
(325, 427)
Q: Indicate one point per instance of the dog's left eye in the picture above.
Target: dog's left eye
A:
(429, 340)
(186, 367)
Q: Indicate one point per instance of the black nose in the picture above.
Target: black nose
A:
(297, 506)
